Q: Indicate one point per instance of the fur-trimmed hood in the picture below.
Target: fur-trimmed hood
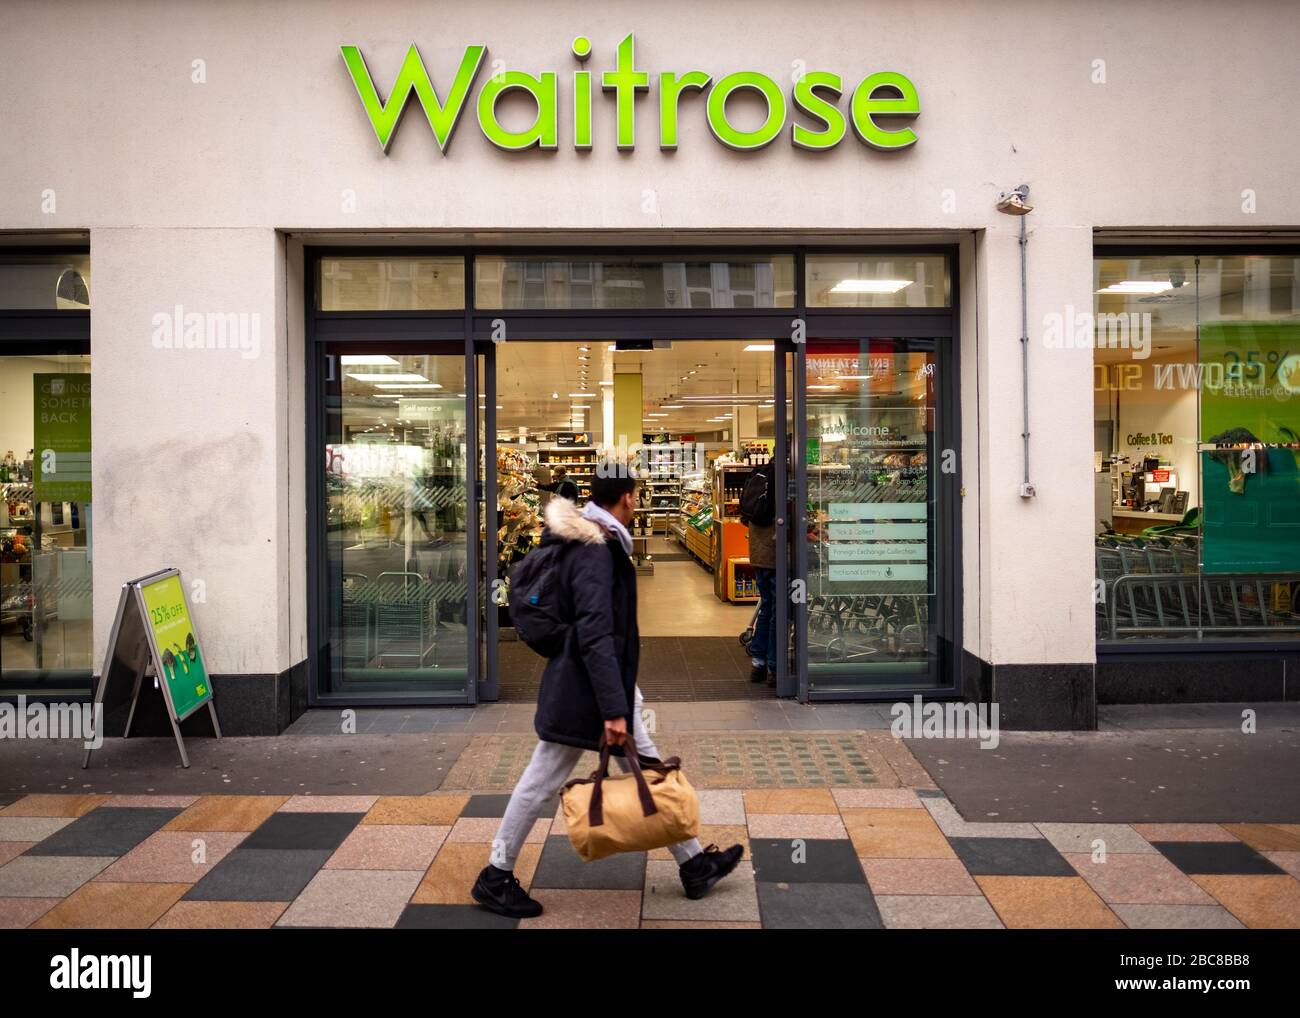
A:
(566, 522)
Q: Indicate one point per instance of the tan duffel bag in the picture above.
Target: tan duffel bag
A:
(651, 807)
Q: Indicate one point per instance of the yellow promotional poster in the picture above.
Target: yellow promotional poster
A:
(183, 667)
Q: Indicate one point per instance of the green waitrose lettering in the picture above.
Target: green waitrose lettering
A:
(876, 106)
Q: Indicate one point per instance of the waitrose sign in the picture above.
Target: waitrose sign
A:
(878, 106)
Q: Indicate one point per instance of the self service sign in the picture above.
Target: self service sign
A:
(816, 115)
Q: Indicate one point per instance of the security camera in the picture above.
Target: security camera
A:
(1015, 202)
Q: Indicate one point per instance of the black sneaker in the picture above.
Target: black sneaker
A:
(499, 891)
(706, 869)
(757, 673)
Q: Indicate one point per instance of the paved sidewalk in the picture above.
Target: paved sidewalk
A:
(842, 826)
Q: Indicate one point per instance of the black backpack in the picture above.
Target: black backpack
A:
(537, 600)
(758, 500)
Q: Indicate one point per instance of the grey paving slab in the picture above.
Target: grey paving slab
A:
(307, 831)
(106, 831)
(806, 861)
(953, 825)
(732, 899)
(1084, 837)
(49, 876)
(1011, 857)
(937, 912)
(452, 917)
(353, 898)
(562, 867)
(1177, 917)
(486, 805)
(31, 828)
(1216, 857)
(259, 874)
(812, 906)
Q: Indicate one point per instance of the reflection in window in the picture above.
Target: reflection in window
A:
(877, 281)
(391, 284)
(45, 524)
(45, 282)
(395, 458)
(1197, 447)
(633, 283)
(871, 576)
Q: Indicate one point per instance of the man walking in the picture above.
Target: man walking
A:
(588, 689)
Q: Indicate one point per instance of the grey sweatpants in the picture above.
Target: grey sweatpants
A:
(534, 795)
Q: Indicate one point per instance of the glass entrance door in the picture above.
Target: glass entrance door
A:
(395, 457)
(876, 620)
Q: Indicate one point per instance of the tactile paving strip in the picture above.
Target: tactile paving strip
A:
(711, 760)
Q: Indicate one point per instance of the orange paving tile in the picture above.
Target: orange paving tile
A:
(452, 873)
(112, 906)
(789, 800)
(226, 813)
(895, 834)
(1042, 903)
(421, 810)
(1261, 901)
(221, 915)
(53, 805)
(1268, 837)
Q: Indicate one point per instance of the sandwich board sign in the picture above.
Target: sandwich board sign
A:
(154, 635)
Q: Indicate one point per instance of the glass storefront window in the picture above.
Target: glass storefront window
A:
(395, 457)
(872, 515)
(46, 638)
(633, 282)
(877, 281)
(45, 282)
(1197, 448)
(397, 283)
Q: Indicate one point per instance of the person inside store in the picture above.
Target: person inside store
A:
(589, 689)
(758, 513)
(561, 485)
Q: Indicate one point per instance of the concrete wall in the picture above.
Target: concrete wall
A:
(189, 190)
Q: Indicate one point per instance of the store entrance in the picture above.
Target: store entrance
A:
(698, 418)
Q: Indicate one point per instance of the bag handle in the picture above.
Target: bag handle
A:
(596, 813)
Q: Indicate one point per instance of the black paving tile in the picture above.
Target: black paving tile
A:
(108, 830)
(486, 806)
(806, 861)
(304, 831)
(1216, 857)
(812, 906)
(1011, 857)
(260, 874)
(452, 917)
(562, 867)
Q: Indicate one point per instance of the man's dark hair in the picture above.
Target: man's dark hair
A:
(610, 484)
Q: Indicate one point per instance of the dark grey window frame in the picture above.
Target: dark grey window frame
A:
(45, 332)
(473, 328)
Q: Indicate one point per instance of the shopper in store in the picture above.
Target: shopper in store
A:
(561, 485)
(589, 689)
(758, 512)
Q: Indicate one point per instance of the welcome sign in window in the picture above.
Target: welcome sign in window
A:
(870, 453)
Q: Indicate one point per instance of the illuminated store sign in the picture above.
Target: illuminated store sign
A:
(878, 107)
